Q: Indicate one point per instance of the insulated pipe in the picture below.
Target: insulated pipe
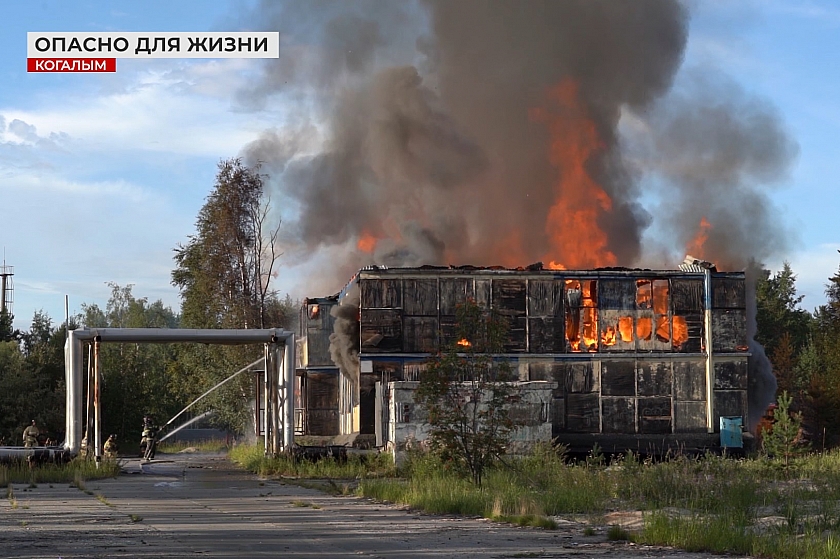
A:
(97, 404)
(276, 383)
(73, 368)
(289, 400)
(710, 364)
(267, 410)
(74, 362)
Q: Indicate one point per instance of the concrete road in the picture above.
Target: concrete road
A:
(202, 506)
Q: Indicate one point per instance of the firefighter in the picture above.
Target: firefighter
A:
(30, 435)
(110, 447)
(148, 442)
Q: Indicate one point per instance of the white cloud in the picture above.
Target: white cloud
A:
(180, 108)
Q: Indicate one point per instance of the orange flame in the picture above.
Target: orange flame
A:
(608, 337)
(643, 328)
(695, 246)
(680, 332)
(463, 342)
(625, 326)
(366, 242)
(572, 222)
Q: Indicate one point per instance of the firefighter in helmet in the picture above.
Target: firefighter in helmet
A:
(30, 435)
(148, 442)
(110, 447)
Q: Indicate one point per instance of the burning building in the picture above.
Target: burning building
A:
(636, 358)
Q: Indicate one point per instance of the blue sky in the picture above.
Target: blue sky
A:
(102, 175)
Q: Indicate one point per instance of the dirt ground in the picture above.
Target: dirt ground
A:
(199, 505)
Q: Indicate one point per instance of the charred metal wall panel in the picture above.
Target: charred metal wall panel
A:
(618, 415)
(689, 417)
(654, 378)
(317, 325)
(421, 297)
(689, 381)
(687, 296)
(321, 391)
(545, 335)
(454, 292)
(580, 378)
(545, 298)
(583, 413)
(381, 331)
(618, 378)
(728, 293)
(654, 415)
(420, 334)
(381, 293)
(617, 294)
(730, 330)
(731, 375)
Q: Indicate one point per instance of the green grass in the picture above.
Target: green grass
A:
(209, 445)
(20, 472)
(710, 503)
(356, 467)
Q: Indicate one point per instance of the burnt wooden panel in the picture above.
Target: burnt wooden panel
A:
(516, 340)
(729, 330)
(545, 298)
(654, 378)
(509, 297)
(728, 293)
(689, 380)
(617, 294)
(619, 415)
(690, 417)
(580, 377)
(583, 413)
(687, 296)
(454, 292)
(618, 378)
(731, 375)
(730, 403)
(558, 416)
(545, 335)
(654, 415)
(420, 297)
(381, 293)
(611, 322)
(482, 293)
(381, 331)
(420, 334)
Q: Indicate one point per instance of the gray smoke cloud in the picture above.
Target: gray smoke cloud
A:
(428, 126)
(434, 127)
